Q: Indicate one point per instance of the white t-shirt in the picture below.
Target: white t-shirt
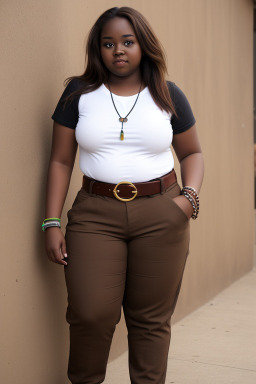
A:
(145, 152)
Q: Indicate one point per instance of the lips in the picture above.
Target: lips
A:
(120, 61)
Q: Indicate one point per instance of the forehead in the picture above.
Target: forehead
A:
(116, 27)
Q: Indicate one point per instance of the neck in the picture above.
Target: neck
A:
(125, 86)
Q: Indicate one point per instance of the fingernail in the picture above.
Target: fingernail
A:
(65, 255)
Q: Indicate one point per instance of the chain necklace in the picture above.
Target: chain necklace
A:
(123, 119)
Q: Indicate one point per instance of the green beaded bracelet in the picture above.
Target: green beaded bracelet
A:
(51, 219)
(50, 222)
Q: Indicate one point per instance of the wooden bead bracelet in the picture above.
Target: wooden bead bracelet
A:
(191, 194)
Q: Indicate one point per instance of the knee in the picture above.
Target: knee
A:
(92, 317)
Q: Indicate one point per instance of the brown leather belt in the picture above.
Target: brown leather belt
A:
(127, 191)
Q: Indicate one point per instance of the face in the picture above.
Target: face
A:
(120, 49)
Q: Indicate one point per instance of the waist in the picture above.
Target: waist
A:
(126, 190)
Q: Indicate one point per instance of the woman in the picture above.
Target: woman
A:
(127, 236)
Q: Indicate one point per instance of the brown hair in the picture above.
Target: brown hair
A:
(153, 64)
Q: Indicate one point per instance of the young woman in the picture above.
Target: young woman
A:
(127, 236)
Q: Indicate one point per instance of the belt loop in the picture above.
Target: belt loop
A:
(91, 186)
(162, 186)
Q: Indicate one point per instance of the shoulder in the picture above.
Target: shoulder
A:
(184, 118)
(178, 97)
(66, 112)
(175, 92)
(74, 84)
(170, 85)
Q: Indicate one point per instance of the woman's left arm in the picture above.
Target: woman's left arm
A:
(188, 150)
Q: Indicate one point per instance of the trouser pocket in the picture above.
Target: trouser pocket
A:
(173, 191)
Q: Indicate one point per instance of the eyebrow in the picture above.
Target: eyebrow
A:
(109, 37)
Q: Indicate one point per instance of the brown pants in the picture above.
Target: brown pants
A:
(123, 254)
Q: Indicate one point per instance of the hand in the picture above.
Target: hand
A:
(184, 205)
(55, 245)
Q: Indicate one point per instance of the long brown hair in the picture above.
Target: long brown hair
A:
(153, 63)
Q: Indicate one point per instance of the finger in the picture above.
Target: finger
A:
(60, 258)
(64, 249)
(57, 257)
(63, 254)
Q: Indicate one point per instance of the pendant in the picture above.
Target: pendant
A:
(123, 119)
(122, 135)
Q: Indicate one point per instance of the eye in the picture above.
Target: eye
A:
(108, 45)
(128, 42)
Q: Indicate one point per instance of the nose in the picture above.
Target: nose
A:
(118, 50)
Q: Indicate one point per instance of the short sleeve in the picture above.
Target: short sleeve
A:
(185, 119)
(67, 114)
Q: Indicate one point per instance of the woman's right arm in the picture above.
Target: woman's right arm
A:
(64, 148)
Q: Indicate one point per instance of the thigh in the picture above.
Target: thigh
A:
(156, 260)
(97, 257)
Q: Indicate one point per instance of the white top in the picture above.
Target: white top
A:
(145, 152)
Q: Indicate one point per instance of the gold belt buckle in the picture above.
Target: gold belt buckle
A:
(115, 191)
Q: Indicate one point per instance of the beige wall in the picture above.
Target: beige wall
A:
(209, 48)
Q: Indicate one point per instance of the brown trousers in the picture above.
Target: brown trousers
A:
(129, 254)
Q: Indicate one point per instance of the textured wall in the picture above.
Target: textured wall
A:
(209, 48)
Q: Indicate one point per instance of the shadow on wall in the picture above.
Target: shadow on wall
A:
(254, 176)
(51, 275)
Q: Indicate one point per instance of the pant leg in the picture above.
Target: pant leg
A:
(95, 278)
(157, 255)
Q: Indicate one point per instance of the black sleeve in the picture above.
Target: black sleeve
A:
(67, 115)
(185, 119)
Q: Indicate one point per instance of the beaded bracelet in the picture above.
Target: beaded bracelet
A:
(51, 218)
(191, 194)
(192, 201)
(51, 222)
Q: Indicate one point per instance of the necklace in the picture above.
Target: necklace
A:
(123, 119)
